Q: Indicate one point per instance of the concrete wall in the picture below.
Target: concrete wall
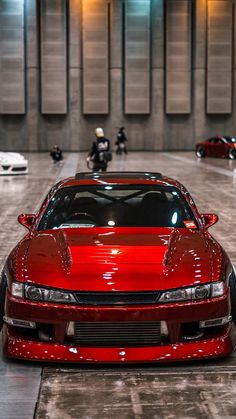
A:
(164, 69)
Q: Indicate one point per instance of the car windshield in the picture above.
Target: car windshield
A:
(117, 206)
(230, 139)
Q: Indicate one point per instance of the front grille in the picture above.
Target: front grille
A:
(5, 167)
(117, 334)
(18, 169)
(117, 298)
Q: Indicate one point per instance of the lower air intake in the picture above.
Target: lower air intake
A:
(116, 334)
(19, 169)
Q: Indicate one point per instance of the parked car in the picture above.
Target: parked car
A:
(217, 147)
(12, 164)
(118, 267)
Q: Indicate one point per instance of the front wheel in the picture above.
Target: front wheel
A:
(232, 154)
(3, 288)
(200, 152)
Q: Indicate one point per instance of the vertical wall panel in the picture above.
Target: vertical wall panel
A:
(157, 39)
(53, 57)
(199, 40)
(95, 57)
(12, 62)
(137, 57)
(116, 35)
(75, 11)
(32, 75)
(31, 34)
(219, 57)
(178, 56)
(74, 72)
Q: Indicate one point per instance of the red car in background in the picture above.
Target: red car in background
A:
(217, 147)
(118, 268)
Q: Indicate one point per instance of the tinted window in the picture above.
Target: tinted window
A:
(215, 140)
(230, 139)
(116, 206)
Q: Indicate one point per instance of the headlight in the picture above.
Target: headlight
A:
(31, 292)
(194, 293)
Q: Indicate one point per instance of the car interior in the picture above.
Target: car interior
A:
(73, 208)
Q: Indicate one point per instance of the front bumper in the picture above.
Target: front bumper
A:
(219, 343)
(220, 346)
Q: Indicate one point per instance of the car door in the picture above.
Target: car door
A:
(218, 147)
(221, 148)
(210, 147)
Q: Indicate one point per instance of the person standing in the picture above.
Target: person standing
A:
(100, 153)
(120, 141)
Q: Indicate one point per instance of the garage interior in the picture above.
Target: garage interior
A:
(186, 390)
(165, 70)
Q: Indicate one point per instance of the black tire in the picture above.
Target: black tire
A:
(232, 154)
(232, 286)
(3, 288)
(200, 152)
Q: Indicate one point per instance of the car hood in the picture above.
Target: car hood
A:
(122, 259)
(11, 157)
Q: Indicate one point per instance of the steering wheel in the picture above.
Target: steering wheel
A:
(82, 216)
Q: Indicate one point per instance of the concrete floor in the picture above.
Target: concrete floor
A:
(202, 390)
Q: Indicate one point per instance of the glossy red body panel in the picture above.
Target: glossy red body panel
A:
(104, 259)
(216, 150)
(118, 259)
(175, 312)
(219, 346)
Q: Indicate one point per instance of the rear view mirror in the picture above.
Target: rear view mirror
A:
(27, 220)
(209, 220)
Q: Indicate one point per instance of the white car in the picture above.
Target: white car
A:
(12, 164)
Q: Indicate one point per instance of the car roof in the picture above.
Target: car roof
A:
(220, 136)
(132, 178)
(118, 175)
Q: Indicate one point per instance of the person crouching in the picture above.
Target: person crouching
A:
(56, 154)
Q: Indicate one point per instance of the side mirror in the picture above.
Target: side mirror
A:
(27, 220)
(209, 220)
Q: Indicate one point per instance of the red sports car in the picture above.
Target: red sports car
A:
(217, 147)
(118, 267)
